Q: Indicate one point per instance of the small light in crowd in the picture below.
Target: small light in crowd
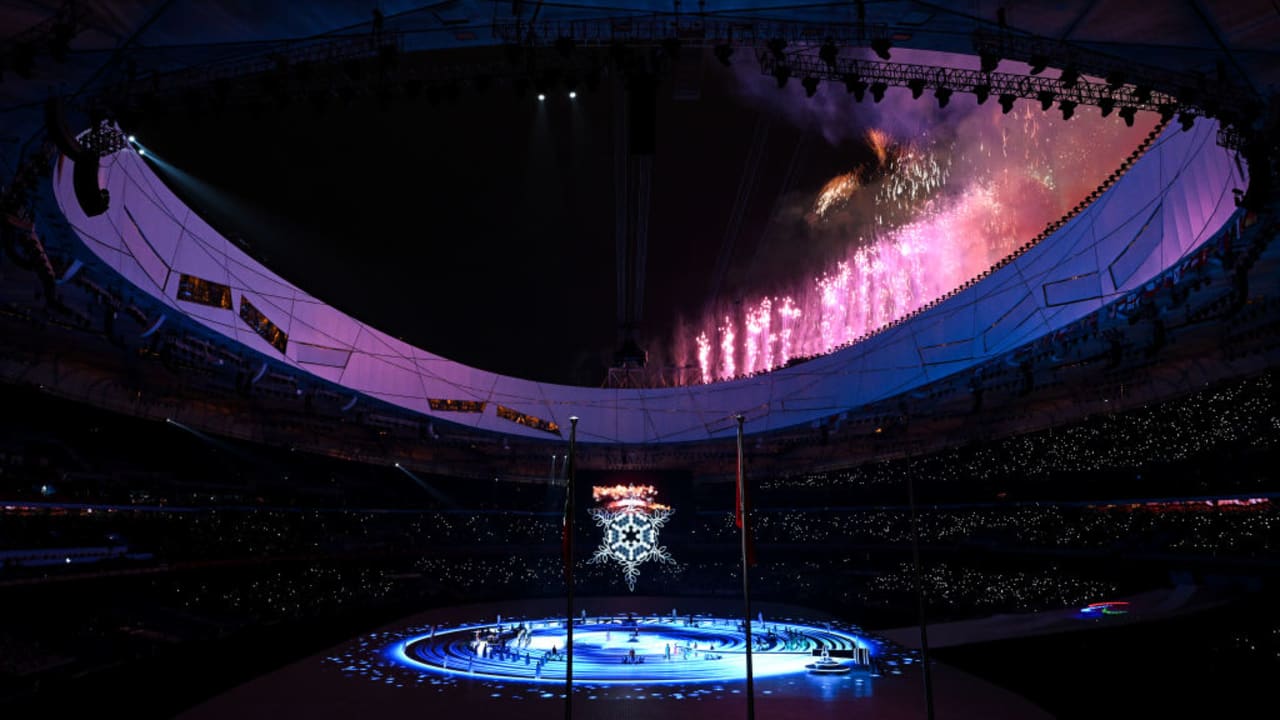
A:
(573, 94)
(133, 138)
(542, 97)
(142, 151)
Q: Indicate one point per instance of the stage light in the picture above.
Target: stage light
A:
(1107, 104)
(1006, 103)
(1186, 120)
(723, 52)
(781, 73)
(542, 97)
(133, 138)
(1046, 99)
(943, 95)
(1166, 112)
(877, 91)
(982, 92)
(1142, 93)
(1038, 63)
(142, 151)
(1068, 108)
(917, 87)
(778, 47)
(573, 94)
(990, 60)
(810, 85)
(828, 52)
(881, 46)
(855, 86)
(1127, 114)
(1115, 79)
(1070, 76)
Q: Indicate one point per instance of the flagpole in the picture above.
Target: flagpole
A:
(568, 566)
(915, 561)
(746, 577)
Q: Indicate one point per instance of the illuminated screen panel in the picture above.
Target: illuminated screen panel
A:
(261, 325)
(466, 406)
(527, 420)
(204, 292)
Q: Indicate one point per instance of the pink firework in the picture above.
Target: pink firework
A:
(944, 212)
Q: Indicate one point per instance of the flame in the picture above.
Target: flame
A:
(879, 141)
(836, 193)
(635, 498)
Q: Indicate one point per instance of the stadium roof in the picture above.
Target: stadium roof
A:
(1227, 43)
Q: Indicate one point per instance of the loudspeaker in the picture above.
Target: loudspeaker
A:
(93, 199)
(55, 122)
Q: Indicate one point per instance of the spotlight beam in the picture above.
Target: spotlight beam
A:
(445, 501)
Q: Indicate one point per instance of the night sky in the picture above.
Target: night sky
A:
(480, 227)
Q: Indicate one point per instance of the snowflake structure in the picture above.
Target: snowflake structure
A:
(631, 524)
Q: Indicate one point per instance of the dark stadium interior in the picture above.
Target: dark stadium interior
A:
(1086, 525)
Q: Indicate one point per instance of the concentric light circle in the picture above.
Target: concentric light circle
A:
(637, 650)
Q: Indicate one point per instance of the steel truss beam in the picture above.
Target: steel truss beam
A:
(933, 77)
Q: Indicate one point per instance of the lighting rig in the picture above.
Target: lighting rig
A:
(944, 81)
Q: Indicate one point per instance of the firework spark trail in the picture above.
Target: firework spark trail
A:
(704, 356)
(873, 285)
(949, 194)
(727, 348)
(945, 210)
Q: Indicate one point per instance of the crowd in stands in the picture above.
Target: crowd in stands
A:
(1242, 531)
(1236, 420)
(224, 535)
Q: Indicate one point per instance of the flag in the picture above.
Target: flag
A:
(566, 551)
(742, 509)
(566, 531)
(566, 545)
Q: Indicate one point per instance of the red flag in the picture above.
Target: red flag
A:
(742, 514)
(566, 533)
(566, 546)
(738, 501)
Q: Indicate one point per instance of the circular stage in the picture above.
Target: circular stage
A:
(630, 649)
(471, 660)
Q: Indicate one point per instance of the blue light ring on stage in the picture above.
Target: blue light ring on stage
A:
(597, 664)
